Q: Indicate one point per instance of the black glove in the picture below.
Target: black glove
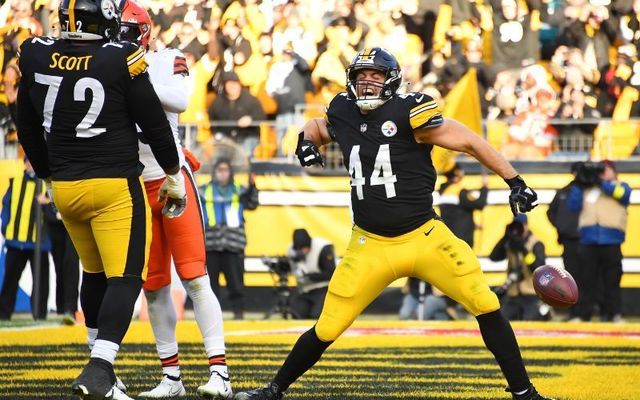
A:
(522, 198)
(308, 152)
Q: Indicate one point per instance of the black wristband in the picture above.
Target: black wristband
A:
(515, 181)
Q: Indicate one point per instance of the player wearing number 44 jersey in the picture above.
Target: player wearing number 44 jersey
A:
(386, 140)
(179, 238)
(86, 92)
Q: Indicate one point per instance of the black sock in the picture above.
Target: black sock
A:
(499, 338)
(305, 353)
(117, 308)
(91, 294)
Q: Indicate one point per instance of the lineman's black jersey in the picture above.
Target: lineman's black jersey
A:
(392, 176)
(79, 94)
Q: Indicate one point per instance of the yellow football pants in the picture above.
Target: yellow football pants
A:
(431, 253)
(109, 222)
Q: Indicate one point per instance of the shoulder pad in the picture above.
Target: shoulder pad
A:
(35, 41)
(136, 62)
(423, 111)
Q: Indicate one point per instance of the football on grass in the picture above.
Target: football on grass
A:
(555, 286)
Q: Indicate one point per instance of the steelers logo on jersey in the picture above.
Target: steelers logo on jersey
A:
(389, 128)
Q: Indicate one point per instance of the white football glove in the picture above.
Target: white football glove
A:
(174, 192)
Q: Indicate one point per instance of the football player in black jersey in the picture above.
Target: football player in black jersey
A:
(386, 139)
(85, 92)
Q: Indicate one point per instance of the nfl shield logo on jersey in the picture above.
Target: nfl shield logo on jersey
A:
(363, 128)
(389, 129)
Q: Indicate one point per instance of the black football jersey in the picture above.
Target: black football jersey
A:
(79, 92)
(392, 176)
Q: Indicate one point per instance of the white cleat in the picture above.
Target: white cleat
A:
(120, 385)
(166, 389)
(218, 387)
(118, 394)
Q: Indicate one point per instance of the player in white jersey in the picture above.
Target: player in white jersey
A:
(181, 238)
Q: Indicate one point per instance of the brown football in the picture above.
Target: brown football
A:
(555, 286)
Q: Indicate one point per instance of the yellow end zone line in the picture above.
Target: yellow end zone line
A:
(265, 279)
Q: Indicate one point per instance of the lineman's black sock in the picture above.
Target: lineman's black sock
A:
(117, 308)
(499, 338)
(91, 294)
(305, 353)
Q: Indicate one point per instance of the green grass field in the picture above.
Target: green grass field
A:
(374, 360)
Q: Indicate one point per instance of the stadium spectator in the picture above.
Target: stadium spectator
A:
(436, 44)
(237, 106)
(20, 229)
(524, 253)
(288, 80)
(457, 203)
(529, 133)
(601, 201)
(187, 41)
(514, 35)
(590, 28)
(8, 137)
(473, 53)
(328, 74)
(225, 202)
(295, 36)
(566, 224)
(313, 261)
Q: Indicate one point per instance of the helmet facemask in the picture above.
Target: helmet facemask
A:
(130, 32)
(369, 94)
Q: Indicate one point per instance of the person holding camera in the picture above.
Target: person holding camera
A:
(457, 203)
(566, 223)
(601, 201)
(524, 253)
(312, 261)
(225, 239)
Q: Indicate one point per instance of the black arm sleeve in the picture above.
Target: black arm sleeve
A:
(326, 264)
(31, 133)
(499, 252)
(146, 111)
(476, 204)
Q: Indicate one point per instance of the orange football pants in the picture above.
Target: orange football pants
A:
(181, 238)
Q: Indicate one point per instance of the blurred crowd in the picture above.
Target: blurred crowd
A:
(279, 60)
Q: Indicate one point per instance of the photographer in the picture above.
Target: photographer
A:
(524, 253)
(457, 203)
(313, 262)
(601, 202)
(566, 223)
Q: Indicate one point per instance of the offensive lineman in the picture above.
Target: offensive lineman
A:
(182, 238)
(386, 140)
(86, 91)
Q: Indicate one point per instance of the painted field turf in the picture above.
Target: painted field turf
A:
(374, 360)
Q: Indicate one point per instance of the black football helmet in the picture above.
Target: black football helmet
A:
(379, 59)
(89, 19)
